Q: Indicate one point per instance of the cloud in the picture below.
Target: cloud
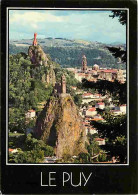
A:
(32, 18)
(87, 25)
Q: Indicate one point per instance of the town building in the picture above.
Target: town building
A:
(13, 150)
(118, 110)
(96, 73)
(73, 87)
(100, 141)
(100, 105)
(91, 111)
(30, 114)
(123, 108)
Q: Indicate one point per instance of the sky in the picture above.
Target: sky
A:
(83, 25)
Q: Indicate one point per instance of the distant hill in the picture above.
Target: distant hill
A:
(68, 53)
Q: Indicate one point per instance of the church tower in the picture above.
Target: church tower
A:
(35, 41)
(63, 84)
(84, 64)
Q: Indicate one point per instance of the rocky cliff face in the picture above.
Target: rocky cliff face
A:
(37, 55)
(39, 58)
(60, 126)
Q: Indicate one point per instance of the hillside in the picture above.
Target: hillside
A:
(69, 53)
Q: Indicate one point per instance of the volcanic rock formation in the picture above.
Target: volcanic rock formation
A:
(60, 125)
(40, 59)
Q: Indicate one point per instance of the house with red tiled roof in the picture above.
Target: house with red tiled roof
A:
(87, 95)
(119, 109)
(73, 87)
(100, 105)
(100, 141)
(123, 108)
(116, 112)
(97, 95)
(79, 76)
(13, 150)
(91, 111)
(30, 114)
(92, 131)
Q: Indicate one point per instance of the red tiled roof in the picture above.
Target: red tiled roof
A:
(87, 119)
(31, 110)
(92, 109)
(110, 71)
(92, 128)
(97, 94)
(87, 94)
(97, 119)
(87, 75)
(10, 150)
(100, 103)
(81, 74)
(99, 139)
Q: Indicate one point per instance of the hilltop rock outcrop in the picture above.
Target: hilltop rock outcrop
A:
(60, 125)
(37, 55)
(39, 59)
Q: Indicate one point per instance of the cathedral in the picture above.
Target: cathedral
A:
(96, 73)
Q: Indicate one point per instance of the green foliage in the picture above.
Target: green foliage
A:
(93, 147)
(72, 56)
(16, 120)
(105, 87)
(70, 81)
(48, 151)
(84, 157)
(26, 89)
(122, 16)
(33, 156)
(120, 140)
(115, 130)
(31, 143)
(70, 78)
(117, 52)
(34, 151)
(102, 157)
(77, 99)
(113, 127)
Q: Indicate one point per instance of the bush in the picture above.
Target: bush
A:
(102, 157)
(84, 157)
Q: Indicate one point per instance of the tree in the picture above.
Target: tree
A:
(115, 130)
(122, 16)
(119, 52)
(34, 151)
(104, 87)
(78, 99)
(93, 147)
(84, 158)
(26, 89)
(102, 157)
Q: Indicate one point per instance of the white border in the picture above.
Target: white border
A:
(7, 74)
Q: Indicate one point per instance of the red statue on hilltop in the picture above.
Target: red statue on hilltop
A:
(35, 41)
